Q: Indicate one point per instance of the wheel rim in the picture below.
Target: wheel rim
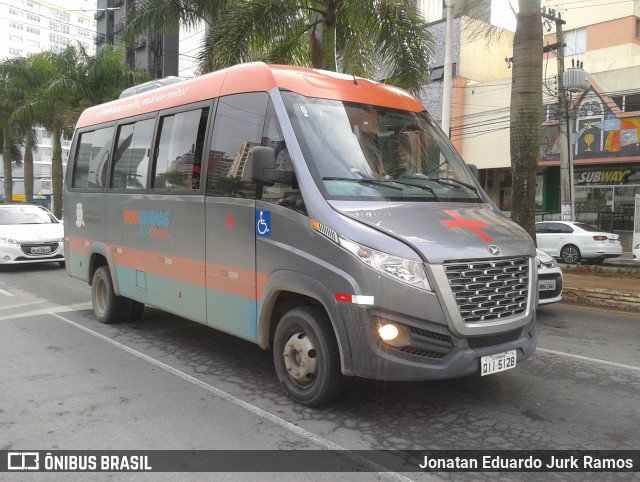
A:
(570, 255)
(101, 296)
(300, 358)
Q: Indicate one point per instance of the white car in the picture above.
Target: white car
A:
(550, 280)
(572, 242)
(29, 234)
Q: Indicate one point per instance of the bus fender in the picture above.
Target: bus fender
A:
(98, 248)
(296, 282)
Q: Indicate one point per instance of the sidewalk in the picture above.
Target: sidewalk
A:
(613, 285)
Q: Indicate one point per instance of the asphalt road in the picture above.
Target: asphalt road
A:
(69, 382)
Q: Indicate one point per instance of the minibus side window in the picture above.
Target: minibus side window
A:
(237, 129)
(92, 159)
(285, 194)
(131, 160)
(179, 150)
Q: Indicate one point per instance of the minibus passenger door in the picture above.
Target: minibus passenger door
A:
(231, 215)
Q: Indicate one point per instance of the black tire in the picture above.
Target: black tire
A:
(306, 356)
(107, 306)
(132, 310)
(570, 254)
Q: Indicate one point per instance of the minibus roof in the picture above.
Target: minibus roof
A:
(254, 77)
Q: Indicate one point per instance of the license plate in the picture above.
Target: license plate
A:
(547, 285)
(497, 363)
(41, 250)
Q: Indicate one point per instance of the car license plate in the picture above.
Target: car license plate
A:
(497, 363)
(41, 250)
(547, 285)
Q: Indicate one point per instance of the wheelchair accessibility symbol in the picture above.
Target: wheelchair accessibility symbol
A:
(263, 223)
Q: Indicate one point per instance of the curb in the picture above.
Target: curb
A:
(602, 298)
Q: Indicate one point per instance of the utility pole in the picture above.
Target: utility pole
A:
(566, 181)
(447, 83)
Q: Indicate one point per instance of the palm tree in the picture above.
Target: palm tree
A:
(76, 80)
(526, 112)
(384, 39)
(23, 76)
(9, 133)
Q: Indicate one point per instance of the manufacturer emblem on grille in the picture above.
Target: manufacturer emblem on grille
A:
(494, 250)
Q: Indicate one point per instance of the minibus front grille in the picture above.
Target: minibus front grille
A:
(489, 289)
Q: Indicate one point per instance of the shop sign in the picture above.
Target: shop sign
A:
(607, 176)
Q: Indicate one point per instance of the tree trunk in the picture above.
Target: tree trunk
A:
(28, 171)
(7, 168)
(56, 172)
(526, 111)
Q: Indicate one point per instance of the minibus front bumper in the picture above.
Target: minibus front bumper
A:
(432, 351)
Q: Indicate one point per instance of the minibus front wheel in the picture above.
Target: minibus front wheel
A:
(307, 358)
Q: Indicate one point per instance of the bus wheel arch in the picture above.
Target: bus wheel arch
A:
(286, 291)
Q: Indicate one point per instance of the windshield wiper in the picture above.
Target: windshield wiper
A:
(374, 182)
(449, 180)
(419, 186)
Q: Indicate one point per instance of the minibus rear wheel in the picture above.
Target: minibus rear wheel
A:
(107, 306)
(307, 358)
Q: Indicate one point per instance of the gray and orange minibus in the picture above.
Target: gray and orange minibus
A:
(322, 216)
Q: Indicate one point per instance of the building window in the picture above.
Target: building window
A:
(58, 39)
(17, 26)
(13, 51)
(17, 13)
(33, 44)
(638, 28)
(84, 33)
(576, 42)
(45, 187)
(58, 27)
(33, 18)
(627, 102)
(15, 39)
(35, 31)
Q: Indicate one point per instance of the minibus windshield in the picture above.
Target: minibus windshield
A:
(374, 153)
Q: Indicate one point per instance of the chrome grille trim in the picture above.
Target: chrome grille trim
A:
(489, 289)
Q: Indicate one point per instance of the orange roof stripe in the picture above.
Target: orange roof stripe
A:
(253, 77)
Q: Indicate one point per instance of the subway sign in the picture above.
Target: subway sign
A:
(607, 176)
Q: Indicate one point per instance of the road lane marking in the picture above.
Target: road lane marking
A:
(22, 305)
(5, 293)
(46, 311)
(302, 433)
(588, 358)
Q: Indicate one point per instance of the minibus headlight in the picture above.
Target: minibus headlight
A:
(405, 270)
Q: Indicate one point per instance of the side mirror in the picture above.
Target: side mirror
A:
(263, 167)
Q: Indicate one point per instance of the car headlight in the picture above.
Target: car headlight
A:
(406, 270)
(7, 240)
(637, 246)
(550, 264)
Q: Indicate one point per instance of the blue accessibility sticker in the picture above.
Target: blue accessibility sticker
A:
(263, 223)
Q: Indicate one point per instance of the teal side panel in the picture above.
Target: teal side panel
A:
(175, 296)
(233, 314)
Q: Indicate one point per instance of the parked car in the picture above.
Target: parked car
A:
(30, 234)
(550, 280)
(572, 242)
